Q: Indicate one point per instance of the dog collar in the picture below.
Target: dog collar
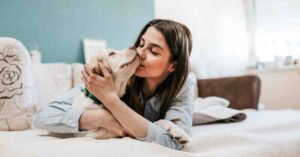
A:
(88, 94)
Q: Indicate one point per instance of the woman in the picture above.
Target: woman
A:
(158, 90)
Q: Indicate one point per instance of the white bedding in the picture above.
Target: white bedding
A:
(262, 134)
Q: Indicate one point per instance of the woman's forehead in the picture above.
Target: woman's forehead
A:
(153, 36)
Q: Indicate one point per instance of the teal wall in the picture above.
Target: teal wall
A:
(57, 27)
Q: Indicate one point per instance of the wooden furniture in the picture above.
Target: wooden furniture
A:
(242, 91)
(280, 87)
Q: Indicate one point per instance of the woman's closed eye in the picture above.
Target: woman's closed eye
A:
(152, 49)
(153, 52)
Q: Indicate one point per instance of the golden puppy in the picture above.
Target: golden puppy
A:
(121, 65)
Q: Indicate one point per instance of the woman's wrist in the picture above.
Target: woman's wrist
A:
(110, 100)
(91, 119)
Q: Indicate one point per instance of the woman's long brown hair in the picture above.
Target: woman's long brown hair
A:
(179, 40)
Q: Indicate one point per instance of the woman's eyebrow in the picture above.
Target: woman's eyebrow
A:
(152, 44)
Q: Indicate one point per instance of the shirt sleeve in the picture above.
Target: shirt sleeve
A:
(181, 110)
(60, 116)
(156, 134)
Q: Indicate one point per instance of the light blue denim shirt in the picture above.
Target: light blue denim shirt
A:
(61, 117)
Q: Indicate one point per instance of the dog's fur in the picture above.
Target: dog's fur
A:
(122, 65)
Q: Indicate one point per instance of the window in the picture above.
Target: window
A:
(277, 29)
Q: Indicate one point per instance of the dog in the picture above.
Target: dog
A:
(122, 65)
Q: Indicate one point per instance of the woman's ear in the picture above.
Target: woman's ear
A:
(172, 67)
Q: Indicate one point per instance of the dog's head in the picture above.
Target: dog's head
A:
(121, 64)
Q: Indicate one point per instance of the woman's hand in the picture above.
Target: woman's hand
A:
(101, 87)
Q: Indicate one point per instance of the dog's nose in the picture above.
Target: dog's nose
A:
(131, 47)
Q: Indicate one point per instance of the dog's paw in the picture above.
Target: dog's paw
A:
(101, 133)
(177, 133)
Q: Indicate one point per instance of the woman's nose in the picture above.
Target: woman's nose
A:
(142, 53)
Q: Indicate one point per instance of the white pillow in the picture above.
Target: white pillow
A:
(202, 103)
(76, 68)
(215, 109)
(52, 80)
(17, 92)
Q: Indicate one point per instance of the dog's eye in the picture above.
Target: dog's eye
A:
(124, 65)
(111, 54)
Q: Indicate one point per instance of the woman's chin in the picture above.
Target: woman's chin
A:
(139, 73)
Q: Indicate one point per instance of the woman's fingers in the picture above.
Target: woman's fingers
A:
(103, 69)
(88, 76)
(88, 71)
(101, 87)
(84, 74)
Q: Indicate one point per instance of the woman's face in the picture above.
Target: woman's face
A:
(155, 54)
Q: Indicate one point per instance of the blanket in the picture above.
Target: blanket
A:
(262, 134)
(215, 109)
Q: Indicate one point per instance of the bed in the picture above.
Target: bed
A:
(264, 133)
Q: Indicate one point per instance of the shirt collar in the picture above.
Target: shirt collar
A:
(154, 102)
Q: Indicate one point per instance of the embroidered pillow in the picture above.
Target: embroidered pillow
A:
(17, 92)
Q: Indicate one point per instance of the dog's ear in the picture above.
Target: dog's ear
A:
(97, 57)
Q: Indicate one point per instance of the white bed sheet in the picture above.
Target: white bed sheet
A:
(262, 134)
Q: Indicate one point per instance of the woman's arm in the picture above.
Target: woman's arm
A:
(93, 119)
(134, 124)
(61, 117)
(144, 130)
(181, 111)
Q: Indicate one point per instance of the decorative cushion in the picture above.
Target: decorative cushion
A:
(52, 80)
(17, 92)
